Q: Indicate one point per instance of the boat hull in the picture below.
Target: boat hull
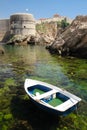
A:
(50, 98)
(52, 111)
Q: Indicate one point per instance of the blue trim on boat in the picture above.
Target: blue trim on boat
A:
(41, 87)
(51, 98)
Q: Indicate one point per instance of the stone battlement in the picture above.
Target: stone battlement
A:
(18, 24)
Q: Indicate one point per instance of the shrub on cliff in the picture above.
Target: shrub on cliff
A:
(64, 23)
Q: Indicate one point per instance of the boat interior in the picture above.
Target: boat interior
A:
(47, 95)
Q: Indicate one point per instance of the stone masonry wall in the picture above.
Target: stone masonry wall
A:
(22, 24)
(18, 24)
(4, 28)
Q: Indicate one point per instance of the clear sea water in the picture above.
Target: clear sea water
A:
(21, 62)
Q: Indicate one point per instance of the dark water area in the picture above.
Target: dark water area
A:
(17, 112)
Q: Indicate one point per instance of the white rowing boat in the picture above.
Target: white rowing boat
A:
(51, 98)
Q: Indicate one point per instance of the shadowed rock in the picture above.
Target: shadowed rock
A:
(2, 51)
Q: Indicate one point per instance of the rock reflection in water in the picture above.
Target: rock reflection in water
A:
(16, 110)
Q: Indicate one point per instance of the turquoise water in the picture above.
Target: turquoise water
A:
(21, 62)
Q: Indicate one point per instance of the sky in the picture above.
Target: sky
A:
(43, 8)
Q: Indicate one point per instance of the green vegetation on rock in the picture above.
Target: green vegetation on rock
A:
(64, 23)
(41, 27)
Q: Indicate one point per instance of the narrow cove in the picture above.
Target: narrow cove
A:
(21, 62)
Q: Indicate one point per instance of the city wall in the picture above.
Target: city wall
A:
(53, 19)
(24, 24)
(18, 24)
(4, 28)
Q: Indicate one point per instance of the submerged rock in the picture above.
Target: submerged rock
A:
(2, 51)
(72, 41)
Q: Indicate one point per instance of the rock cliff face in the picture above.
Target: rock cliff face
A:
(72, 41)
(45, 34)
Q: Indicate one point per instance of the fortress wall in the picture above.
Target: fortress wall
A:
(18, 24)
(22, 24)
(4, 27)
(54, 19)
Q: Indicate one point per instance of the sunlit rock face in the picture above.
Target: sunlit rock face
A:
(72, 41)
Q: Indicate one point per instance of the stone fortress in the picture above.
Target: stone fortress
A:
(18, 24)
(24, 24)
(4, 28)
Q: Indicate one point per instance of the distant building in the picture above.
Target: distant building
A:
(55, 18)
(56, 15)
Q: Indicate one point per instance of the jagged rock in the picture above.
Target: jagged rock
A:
(46, 32)
(73, 41)
(32, 40)
(19, 40)
(2, 51)
(43, 39)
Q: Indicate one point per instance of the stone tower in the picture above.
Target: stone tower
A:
(22, 24)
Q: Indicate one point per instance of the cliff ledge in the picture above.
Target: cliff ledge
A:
(72, 41)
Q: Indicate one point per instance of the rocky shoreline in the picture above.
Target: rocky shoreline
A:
(73, 41)
(69, 41)
(45, 34)
(33, 40)
(2, 51)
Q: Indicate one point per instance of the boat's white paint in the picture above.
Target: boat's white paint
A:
(47, 94)
(73, 100)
